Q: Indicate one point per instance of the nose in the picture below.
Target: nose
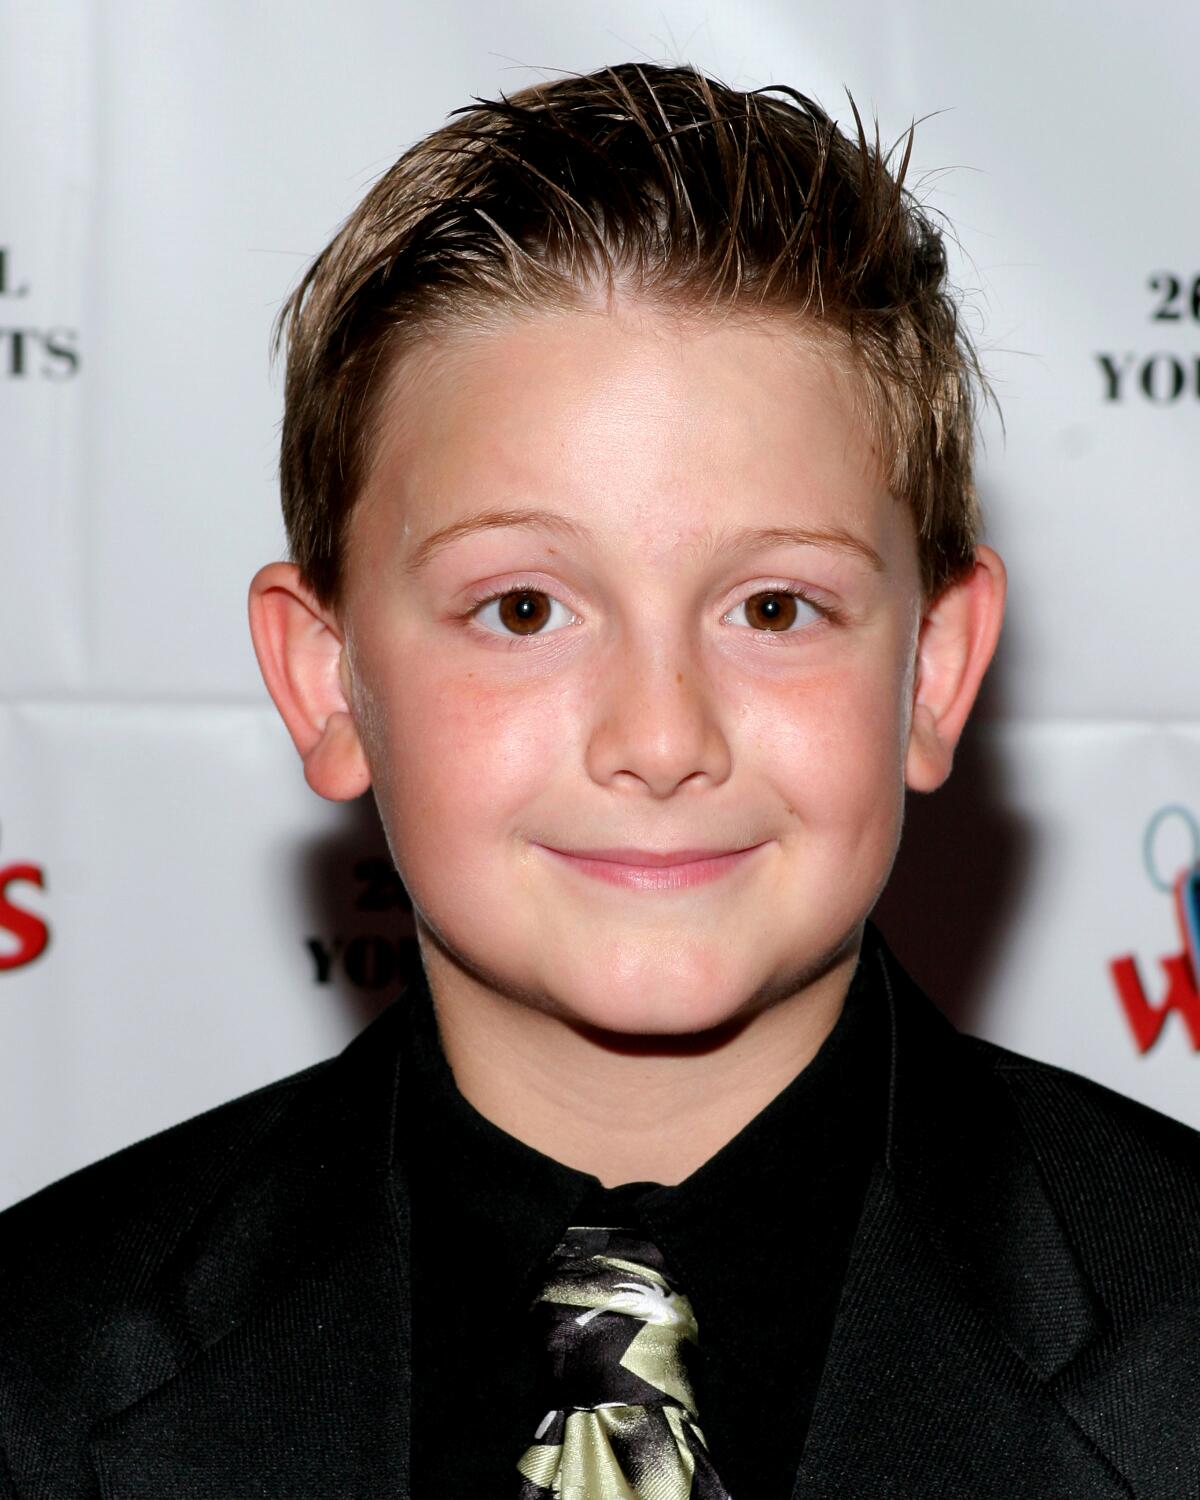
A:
(656, 723)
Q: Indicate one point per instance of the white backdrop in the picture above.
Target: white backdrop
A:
(180, 919)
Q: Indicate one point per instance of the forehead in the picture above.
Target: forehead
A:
(660, 430)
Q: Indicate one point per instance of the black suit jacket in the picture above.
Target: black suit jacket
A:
(222, 1311)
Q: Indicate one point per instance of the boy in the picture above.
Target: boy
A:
(627, 472)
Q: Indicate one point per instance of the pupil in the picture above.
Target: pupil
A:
(775, 611)
(525, 611)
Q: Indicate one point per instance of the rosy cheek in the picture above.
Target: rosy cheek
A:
(473, 748)
(831, 737)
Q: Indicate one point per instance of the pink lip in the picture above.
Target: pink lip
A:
(644, 870)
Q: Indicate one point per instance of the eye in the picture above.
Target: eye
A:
(779, 610)
(520, 612)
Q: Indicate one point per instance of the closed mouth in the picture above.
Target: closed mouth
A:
(653, 870)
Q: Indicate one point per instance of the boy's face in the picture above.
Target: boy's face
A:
(647, 684)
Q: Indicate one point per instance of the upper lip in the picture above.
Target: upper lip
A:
(652, 857)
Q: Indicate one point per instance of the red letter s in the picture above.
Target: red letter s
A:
(30, 931)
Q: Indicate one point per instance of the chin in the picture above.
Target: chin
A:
(664, 1021)
(628, 992)
(706, 1013)
(657, 1005)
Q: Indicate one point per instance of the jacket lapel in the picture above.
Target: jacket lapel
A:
(961, 1303)
(1135, 1397)
(293, 1297)
(970, 1355)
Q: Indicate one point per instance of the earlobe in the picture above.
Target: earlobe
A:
(300, 653)
(957, 640)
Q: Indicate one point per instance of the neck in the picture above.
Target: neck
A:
(625, 1109)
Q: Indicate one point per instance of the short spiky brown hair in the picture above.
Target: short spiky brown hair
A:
(665, 186)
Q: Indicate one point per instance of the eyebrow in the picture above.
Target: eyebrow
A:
(492, 520)
(831, 537)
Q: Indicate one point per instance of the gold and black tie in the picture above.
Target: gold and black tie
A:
(619, 1339)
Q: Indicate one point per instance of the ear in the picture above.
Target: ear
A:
(300, 651)
(956, 642)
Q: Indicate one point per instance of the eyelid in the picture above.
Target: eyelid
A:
(516, 586)
(821, 608)
(807, 597)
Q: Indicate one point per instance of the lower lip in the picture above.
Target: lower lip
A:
(656, 877)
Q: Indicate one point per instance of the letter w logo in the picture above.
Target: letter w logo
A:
(1146, 1020)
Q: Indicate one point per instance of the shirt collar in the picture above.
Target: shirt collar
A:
(807, 1154)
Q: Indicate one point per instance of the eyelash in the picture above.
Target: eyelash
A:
(826, 611)
(511, 588)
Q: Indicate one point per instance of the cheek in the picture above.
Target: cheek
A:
(458, 757)
(834, 746)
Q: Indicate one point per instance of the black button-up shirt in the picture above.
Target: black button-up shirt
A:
(757, 1238)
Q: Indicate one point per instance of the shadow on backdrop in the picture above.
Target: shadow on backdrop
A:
(963, 862)
(359, 929)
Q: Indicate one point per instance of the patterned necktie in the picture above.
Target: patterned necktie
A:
(618, 1337)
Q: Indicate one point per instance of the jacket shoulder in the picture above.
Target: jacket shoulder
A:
(1079, 1112)
(84, 1262)
(151, 1188)
(1124, 1178)
(115, 1278)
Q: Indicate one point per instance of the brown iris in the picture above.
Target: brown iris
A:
(771, 611)
(524, 612)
